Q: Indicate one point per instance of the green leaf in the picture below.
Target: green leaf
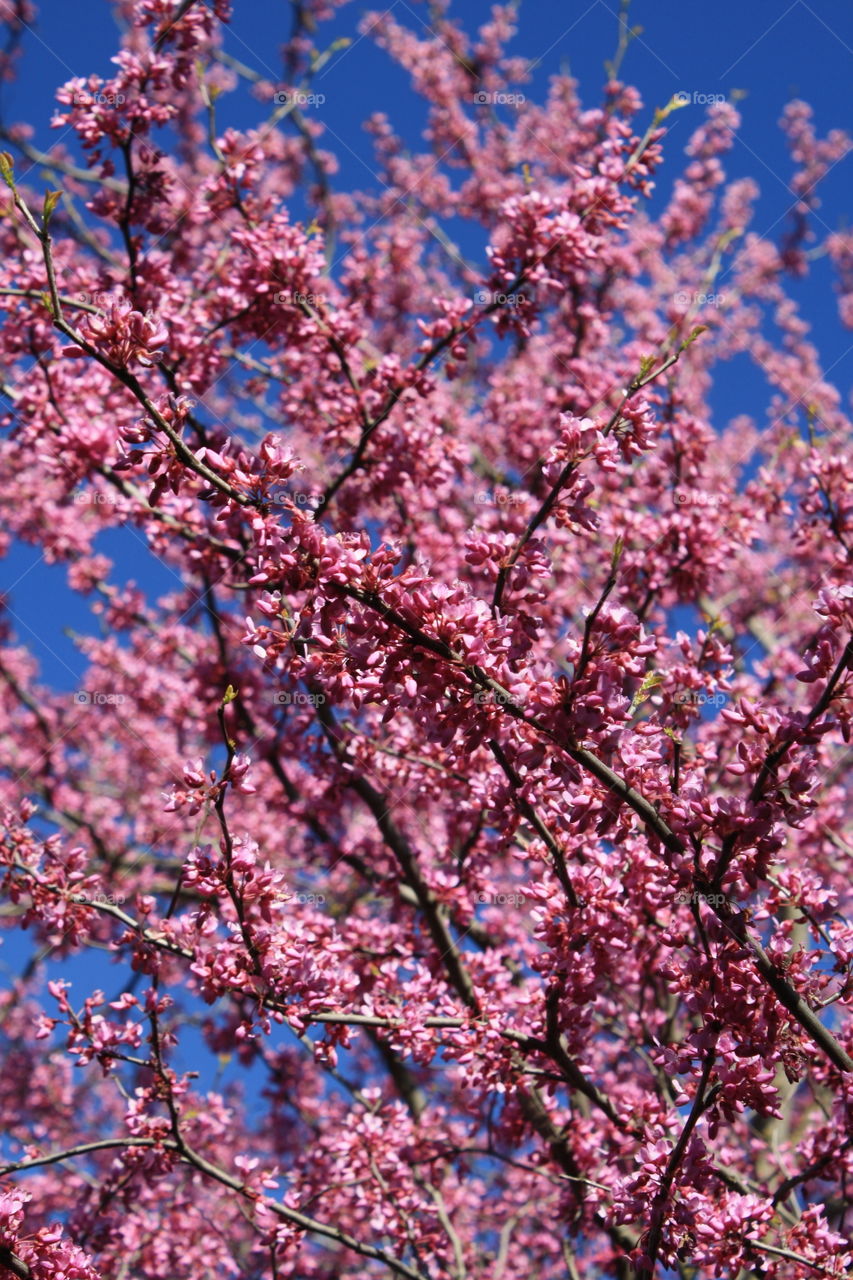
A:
(51, 200)
(618, 548)
(676, 102)
(696, 333)
(651, 681)
(7, 169)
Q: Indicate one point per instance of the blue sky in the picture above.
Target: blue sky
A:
(767, 52)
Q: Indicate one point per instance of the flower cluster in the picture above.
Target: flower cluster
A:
(441, 864)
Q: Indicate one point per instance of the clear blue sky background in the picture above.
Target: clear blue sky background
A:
(769, 50)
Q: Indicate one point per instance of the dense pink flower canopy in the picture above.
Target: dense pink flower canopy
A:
(453, 911)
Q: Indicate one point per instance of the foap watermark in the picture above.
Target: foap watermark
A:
(494, 498)
(699, 698)
(484, 98)
(307, 499)
(500, 899)
(86, 98)
(695, 97)
(307, 899)
(494, 298)
(98, 698)
(101, 300)
(296, 698)
(94, 498)
(298, 98)
(712, 899)
(686, 299)
(293, 298)
(491, 698)
(698, 498)
(101, 899)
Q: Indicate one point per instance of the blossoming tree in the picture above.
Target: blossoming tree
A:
(454, 905)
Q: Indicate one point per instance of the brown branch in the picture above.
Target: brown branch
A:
(777, 755)
(645, 810)
(550, 500)
(301, 1220)
(82, 1149)
(191, 1157)
(11, 1262)
(658, 1207)
(526, 808)
(555, 1045)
